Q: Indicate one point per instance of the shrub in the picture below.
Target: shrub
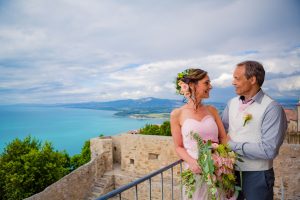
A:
(82, 158)
(27, 167)
(151, 129)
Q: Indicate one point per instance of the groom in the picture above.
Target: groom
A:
(256, 125)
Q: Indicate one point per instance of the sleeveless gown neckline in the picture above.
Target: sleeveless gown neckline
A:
(207, 129)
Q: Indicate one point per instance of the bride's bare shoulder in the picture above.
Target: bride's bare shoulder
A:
(176, 112)
(212, 109)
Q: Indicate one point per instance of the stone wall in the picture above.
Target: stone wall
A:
(298, 116)
(143, 154)
(103, 146)
(79, 183)
(76, 185)
(140, 155)
(116, 140)
(287, 172)
(292, 126)
(143, 189)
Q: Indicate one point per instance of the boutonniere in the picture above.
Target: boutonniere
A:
(247, 118)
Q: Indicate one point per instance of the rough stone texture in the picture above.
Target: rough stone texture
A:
(142, 148)
(124, 178)
(140, 155)
(102, 186)
(293, 132)
(298, 115)
(287, 172)
(76, 185)
(292, 126)
(293, 138)
(102, 146)
(79, 183)
(143, 154)
(117, 139)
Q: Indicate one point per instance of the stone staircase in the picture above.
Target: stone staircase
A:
(102, 186)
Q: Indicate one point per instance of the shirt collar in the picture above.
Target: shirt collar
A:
(257, 98)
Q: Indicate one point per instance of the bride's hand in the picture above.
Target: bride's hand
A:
(226, 139)
(194, 167)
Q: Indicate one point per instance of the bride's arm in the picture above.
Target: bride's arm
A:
(178, 143)
(222, 133)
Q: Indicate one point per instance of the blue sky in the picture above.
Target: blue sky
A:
(76, 51)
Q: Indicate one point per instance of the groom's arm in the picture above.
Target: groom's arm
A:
(225, 118)
(273, 128)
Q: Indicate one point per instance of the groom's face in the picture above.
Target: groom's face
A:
(240, 82)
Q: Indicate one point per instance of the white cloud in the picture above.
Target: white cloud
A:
(224, 80)
(69, 51)
(291, 83)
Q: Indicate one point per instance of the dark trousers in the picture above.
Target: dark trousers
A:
(256, 185)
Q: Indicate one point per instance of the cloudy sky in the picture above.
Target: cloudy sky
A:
(60, 51)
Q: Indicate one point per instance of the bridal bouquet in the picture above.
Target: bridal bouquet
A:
(217, 163)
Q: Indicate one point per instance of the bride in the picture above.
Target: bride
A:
(195, 117)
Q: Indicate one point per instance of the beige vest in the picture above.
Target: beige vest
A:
(251, 132)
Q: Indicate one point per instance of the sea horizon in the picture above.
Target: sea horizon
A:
(68, 128)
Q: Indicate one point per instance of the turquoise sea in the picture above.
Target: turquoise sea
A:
(66, 128)
(69, 128)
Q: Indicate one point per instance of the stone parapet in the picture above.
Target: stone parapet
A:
(77, 185)
(102, 145)
(138, 155)
(143, 154)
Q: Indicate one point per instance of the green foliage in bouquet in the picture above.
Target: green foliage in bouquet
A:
(206, 163)
(189, 181)
(217, 162)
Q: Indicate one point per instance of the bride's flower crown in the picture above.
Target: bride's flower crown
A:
(182, 87)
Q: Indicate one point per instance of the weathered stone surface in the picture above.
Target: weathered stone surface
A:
(79, 183)
(102, 146)
(287, 172)
(117, 139)
(76, 185)
(142, 154)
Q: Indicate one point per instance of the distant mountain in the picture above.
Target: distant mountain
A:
(288, 103)
(131, 106)
(149, 105)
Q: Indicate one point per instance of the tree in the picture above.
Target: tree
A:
(82, 158)
(151, 129)
(27, 167)
(165, 128)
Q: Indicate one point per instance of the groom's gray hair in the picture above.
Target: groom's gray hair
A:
(254, 68)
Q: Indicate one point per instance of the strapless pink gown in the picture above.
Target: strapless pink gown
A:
(207, 130)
